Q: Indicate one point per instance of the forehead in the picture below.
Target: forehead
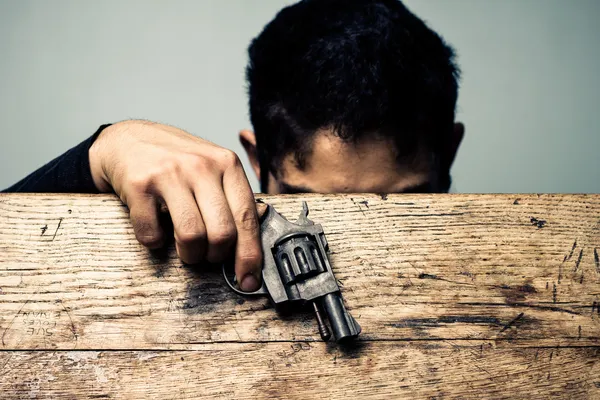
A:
(370, 165)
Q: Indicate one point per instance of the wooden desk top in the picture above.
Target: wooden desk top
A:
(458, 296)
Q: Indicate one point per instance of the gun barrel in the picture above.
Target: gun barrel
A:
(342, 324)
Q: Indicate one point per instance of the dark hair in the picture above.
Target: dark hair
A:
(356, 66)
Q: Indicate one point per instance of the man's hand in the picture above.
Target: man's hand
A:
(203, 186)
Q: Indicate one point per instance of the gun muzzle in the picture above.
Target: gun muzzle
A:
(342, 324)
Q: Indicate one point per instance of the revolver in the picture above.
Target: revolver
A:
(297, 270)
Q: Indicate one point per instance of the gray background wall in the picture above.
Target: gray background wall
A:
(530, 94)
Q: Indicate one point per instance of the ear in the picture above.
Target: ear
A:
(454, 143)
(248, 140)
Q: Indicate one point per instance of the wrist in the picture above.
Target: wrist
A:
(96, 158)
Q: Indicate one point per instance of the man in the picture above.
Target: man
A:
(345, 96)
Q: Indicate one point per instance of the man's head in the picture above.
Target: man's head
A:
(351, 96)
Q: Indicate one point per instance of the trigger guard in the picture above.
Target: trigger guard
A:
(262, 291)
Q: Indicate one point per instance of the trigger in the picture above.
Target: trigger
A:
(233, 284)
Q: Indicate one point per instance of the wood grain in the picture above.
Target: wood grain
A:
(378, 370)
(431, 279)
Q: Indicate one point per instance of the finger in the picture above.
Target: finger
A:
(261, 209)
(188, 226)
(221, 230)
(143, 212)
(248, 252)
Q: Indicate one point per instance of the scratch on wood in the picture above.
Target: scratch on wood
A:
(446, 319)
(15, 317)
(560, 270)
(540, 223)
(578, 260)
(10, 355)
(73, 328)
(554, 293)
(57, 228)
(572, 250)
(597, 260)
(358, 203)
(548, 308)
(237, 333)
(512, 322)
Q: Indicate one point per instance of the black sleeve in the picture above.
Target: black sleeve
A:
(68, 173)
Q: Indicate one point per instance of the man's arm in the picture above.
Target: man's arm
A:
(68, 173)
(155, 168)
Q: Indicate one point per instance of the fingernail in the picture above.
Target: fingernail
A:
(249, 283)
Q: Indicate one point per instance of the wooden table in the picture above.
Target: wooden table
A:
(458, 296)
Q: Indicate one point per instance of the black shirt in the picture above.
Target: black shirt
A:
(68, 173)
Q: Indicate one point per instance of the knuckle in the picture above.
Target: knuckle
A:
(190, 236)
(229, 159)
(251, 257)
(150, 240)
(168, 168)
(141, 182)
(146, 234)
(221, 212)
(224, 236)
(247, 220)
(222, 230)
(189, 229)
(199, 164)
